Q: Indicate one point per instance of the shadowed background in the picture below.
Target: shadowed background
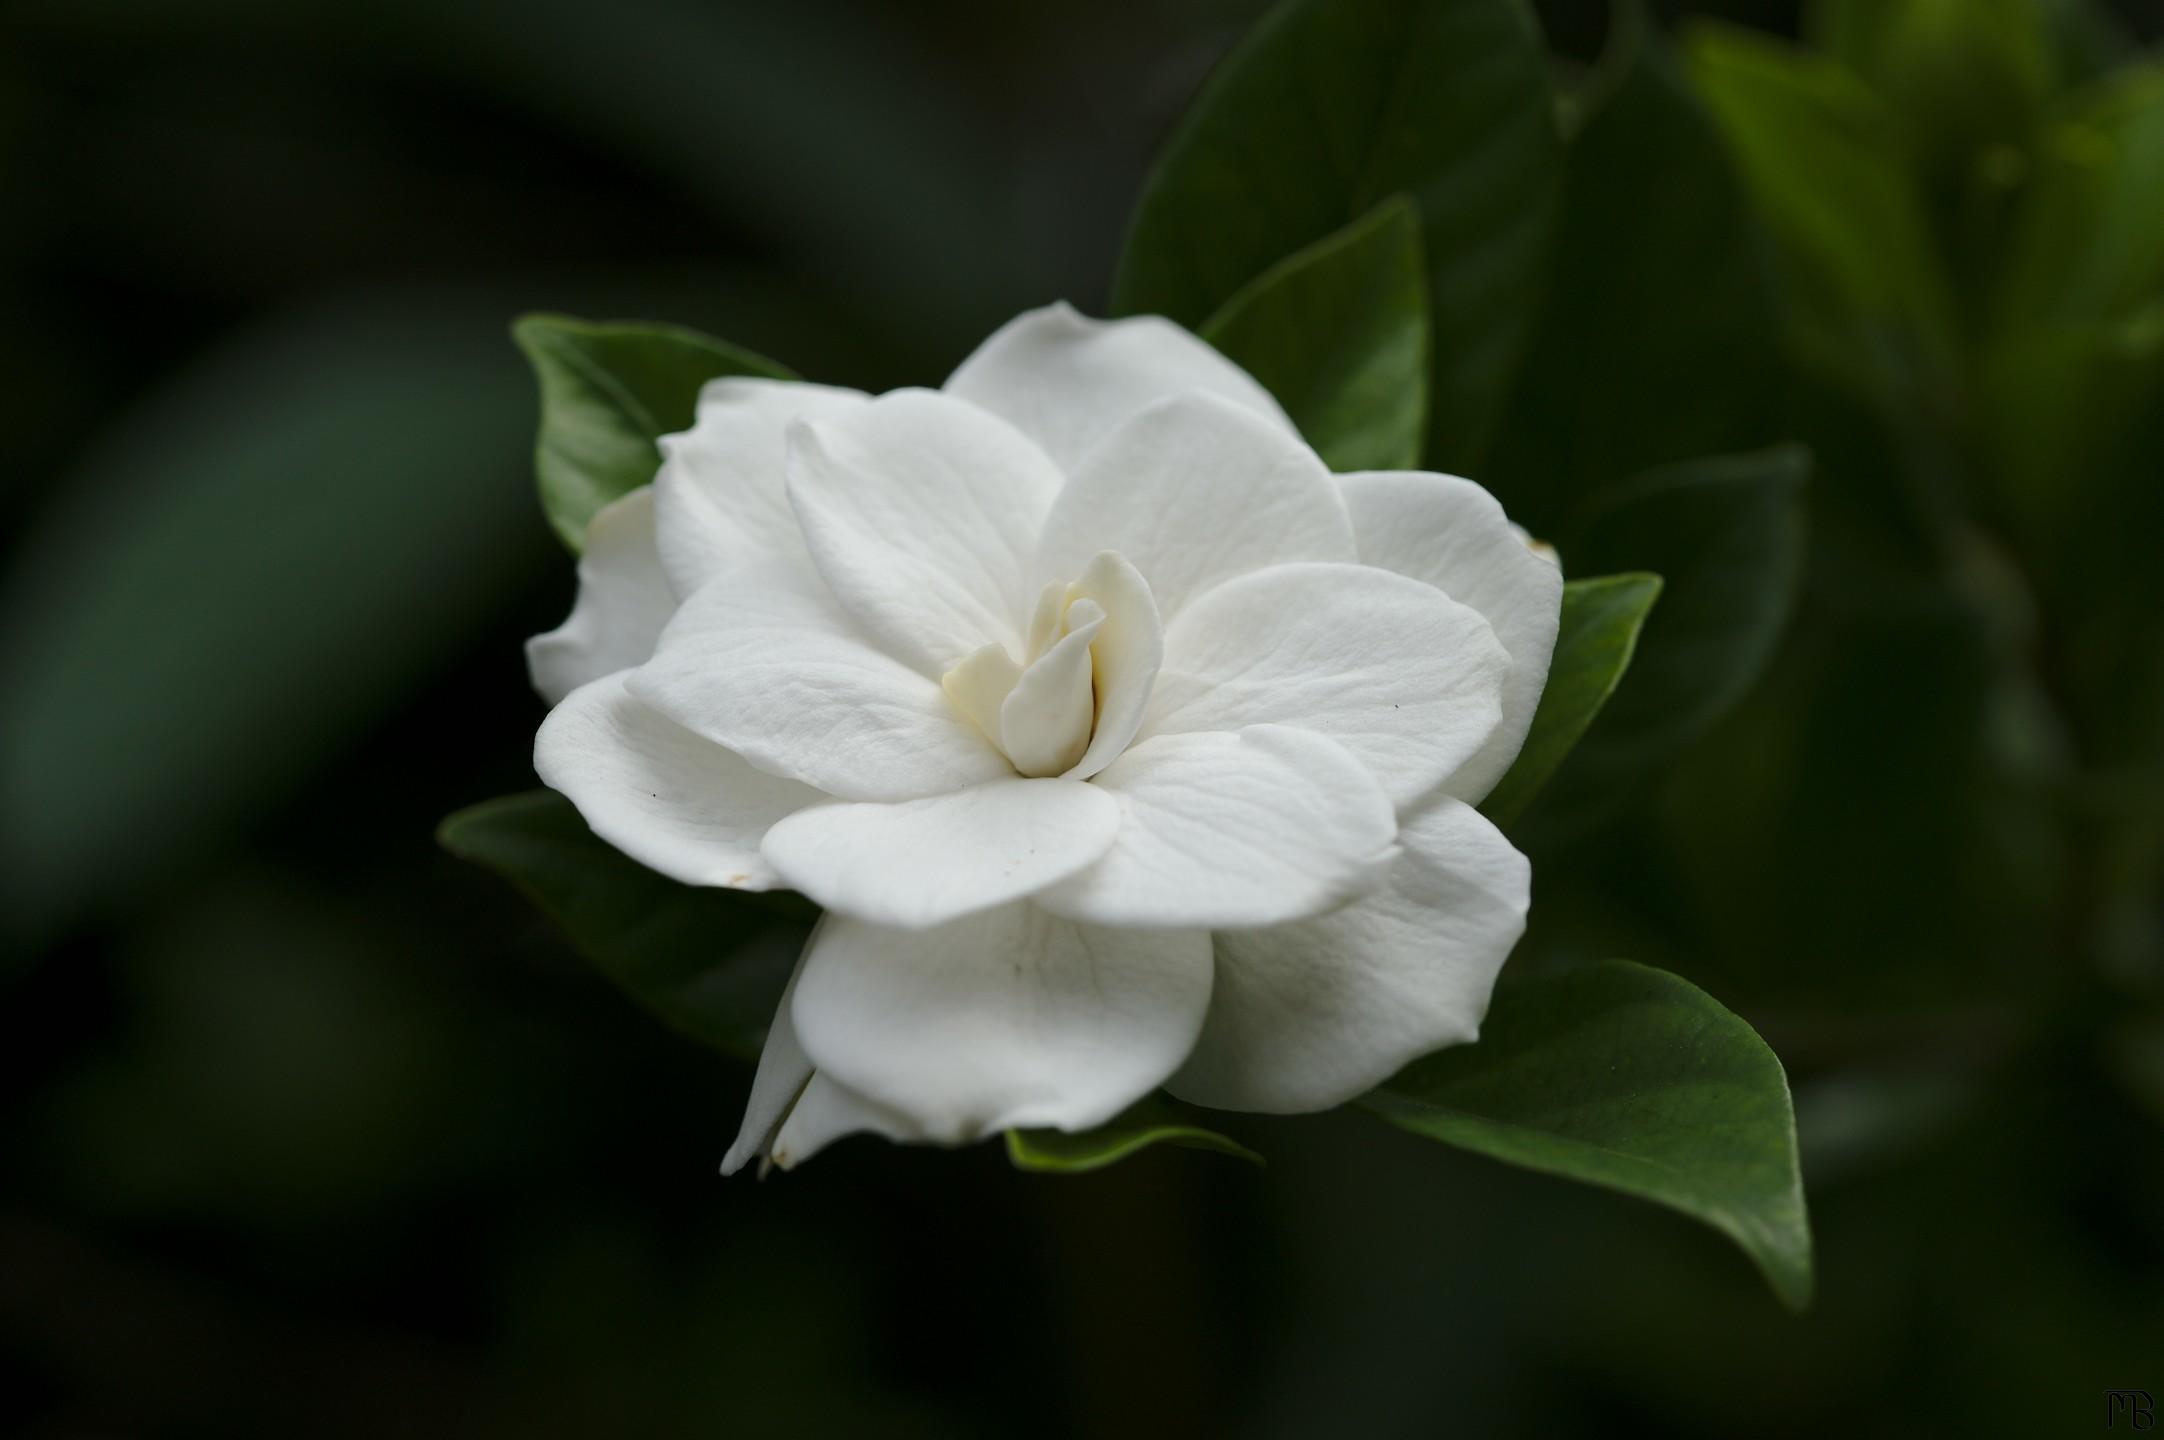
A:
(310, 1130)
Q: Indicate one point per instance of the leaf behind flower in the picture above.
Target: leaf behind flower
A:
(608, 392)
(1630, 1078)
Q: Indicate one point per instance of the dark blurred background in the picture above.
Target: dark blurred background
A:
(310, 1130)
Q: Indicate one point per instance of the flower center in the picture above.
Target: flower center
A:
(1041, 711)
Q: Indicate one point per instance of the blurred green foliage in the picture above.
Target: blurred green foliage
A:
(311, 1130)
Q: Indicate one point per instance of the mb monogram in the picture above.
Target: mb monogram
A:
(2129, 1410)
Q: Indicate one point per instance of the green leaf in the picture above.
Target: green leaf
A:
(1826, 162)
(1154, 1120)
(1328, 108)
(1726, 536)
(710, 962)
(1339, 334)
(1659, 339)
(1593, 647)
(608, 392)
(1627, 1077)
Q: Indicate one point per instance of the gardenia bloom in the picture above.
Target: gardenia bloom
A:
(1124, 746)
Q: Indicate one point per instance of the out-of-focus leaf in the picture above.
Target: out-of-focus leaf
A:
(1726, 536)
(1658, 338)
(1153, 1120)
(608, 392)
(710, 962)
(1339, 333)
(1593, 647)
(1325, 110)
(1964, 74)
(2084, 242)
(1623, 1076)
(1823, 157)
(245, 574)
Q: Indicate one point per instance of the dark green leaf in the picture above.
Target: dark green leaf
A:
(1593, 647)
(1825, 160)
(1339, 334)
(1658, 337)
(1154, 1120)
(710, 962)
(608, 391)
(1725, 535)
(1627, 1077)
(1328, 108)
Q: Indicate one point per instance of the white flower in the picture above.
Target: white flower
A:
(1123, 744)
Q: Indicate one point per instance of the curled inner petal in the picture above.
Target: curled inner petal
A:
(1045, 723)
(1042, 711)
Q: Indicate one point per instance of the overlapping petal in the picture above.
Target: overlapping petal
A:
(1129, 649)
(1389, 667)
(624, 599)
(669, 799)
(921, 511)
(1454, 535)
(1267, 825)
(1308, 1015)
(1195, 491)
(765, 662)
(794, 1112)
(828, 1111)
(1011, 1017)
(1067, 381)
(721, 498)
(925, 862)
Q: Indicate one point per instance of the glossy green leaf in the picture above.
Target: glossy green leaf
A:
(1627, 1077)
(1154, 1120)
(1825, 161)
(710, 962)
(1726, 536)
(608, 392)
(1339, 333)
(1328, 108)
(1658, 338)
(1593, 647)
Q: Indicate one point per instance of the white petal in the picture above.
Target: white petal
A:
(792, 1112)
(784, 1070)
(765, 662)
(981, 684)
(1067, 381)
(1013, 1017)
(828, 1111)
(1391, 668)
(669, 799)
(624, 600)
(1044, 723)
(722, 498)
(1267, 825)
(1454, 535)
(1193, 492)
(926, 862)
(1129, 649)
(922, 512)
(1308, 1015)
